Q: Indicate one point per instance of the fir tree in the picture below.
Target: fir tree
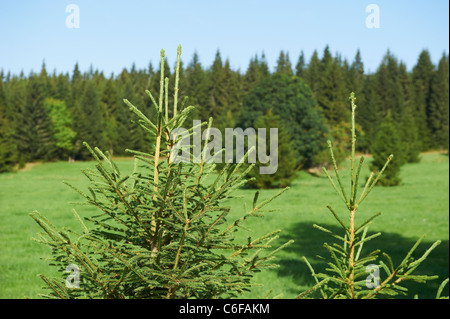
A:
(37, 128)
(386, 141)
(257, 71)
(331, 90)
(162, 232)
(438, 118)
(8, 155)
(286, 155)
(195, 84)
(290, 98)
(87, 119)
(312, 75)
(300, 67)
(421, 79)
(284, 65)
(116, 119)
(216, 91)
(351, 273)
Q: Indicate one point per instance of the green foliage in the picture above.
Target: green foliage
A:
(36, 124)
(340, 136)
(439, 105)
(290, 98)
(331, 90)
(88, 120)
(284, 65)
(7, 147)
(162, 231)
(387, 141)
(286, 155)
(417, 100)
(351, 273)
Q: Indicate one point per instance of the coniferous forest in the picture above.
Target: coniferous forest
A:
(47, 116)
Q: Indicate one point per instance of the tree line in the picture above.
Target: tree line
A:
(47, 116)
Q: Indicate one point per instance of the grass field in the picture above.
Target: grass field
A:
(419, 206)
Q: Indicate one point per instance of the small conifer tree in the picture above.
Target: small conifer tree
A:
(162, 231)
(350, 272)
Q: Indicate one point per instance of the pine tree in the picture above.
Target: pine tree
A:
(290, 98)
(408, 129)
(438, 119)
(62, 122)
(88, 121)
(286, 154)
(36, 125)
(348, 264)
(389, 87)
(195, 84)
(284, 65)
(300, 68)
(8, 152)
(216, 91)
(386, 141)
(312, 75)
(116, 119)
(162, 231)
(331, 90)
(421, 79)
(256, 72)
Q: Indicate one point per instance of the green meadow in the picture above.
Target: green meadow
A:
(419, 206)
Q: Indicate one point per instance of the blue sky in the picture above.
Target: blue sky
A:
(115, 34)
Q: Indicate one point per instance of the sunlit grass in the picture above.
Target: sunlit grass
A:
(419, 206)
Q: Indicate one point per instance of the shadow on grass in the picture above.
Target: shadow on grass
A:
(309, 243)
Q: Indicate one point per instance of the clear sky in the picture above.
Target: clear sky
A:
(115, 34)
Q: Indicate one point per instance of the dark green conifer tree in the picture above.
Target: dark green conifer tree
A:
(312, 74)
(421, 79)
(36, 124)
(284, 65)
(351, 273)
(286, 155)
(116, 119)
(331, 90)
(8, 151)
(88, 121)
(290, 98)
(300, 68)
(438, 118)
(387, 141)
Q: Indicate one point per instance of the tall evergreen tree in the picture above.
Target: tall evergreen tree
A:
(291, 99)
(300, 67)
(116, 117)
(421, 79)
(284, 65)
(286, 169)
(331, 90)
(88, 121)
(387, 141)
(438, 118)
(216, 91)
(8, 152)
(312, 74)
(36, 124)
